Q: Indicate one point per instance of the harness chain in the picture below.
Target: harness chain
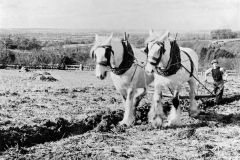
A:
(191, 73)
(192, 64)
(198, 81)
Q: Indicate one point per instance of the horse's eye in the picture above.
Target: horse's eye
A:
(146, 50)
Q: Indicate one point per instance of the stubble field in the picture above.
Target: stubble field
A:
(73, 115)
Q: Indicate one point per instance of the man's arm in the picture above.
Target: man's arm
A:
(225, 74)
(206, 73)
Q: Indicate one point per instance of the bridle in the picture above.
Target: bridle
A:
(126, 64)
(108, 51)
(161, 51)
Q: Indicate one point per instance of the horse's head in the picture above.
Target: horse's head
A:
(103, 54)
(156, 48)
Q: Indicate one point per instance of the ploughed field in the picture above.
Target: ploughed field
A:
(72, 114)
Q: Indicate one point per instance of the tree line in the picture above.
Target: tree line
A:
(21, 43)
(28, 52)
(31, 51)
(223, 34)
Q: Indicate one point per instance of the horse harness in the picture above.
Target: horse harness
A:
(128, 58)
(174, 63)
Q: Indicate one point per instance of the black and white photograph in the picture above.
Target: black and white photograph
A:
(119, 79)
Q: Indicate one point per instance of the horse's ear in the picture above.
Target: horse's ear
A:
(166, 35)
(109, 38)
(150, 32)
(96, 37)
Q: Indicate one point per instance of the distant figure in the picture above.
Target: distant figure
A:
(217, 74)
(24, 69)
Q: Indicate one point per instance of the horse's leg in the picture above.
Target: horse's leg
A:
(156, 114)
(129, 118)
(141, 92)
(174, 117)
(194, 112)
(124, 96)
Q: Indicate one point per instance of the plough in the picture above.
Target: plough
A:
(187, 97)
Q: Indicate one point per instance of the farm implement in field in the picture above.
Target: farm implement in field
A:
(198, 96)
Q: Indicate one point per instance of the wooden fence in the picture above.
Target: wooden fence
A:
(55, 66)
(91, 68)
(80, 67)
(230, 73)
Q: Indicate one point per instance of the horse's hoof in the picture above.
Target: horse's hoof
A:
(127, 123)
(194, 114)
(174, 123)
(157, 122)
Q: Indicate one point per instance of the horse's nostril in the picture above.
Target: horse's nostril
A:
(101, 77)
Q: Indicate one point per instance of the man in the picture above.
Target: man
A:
(217, 74)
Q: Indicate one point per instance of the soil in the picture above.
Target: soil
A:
(77, 116)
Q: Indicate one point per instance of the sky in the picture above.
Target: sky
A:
(121, 14)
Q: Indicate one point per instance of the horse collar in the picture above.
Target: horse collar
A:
(174, 63)
(127, 61)
(128, 58)
(161, 50)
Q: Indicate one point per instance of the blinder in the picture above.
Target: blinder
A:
(161, 52)
(146, 50)
(108, 51)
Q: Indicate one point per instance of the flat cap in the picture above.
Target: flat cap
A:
(214, 61)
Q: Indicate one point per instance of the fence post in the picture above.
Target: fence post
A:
(81, 67)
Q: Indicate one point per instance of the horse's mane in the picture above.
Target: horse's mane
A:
(150, 39)
(155, 38)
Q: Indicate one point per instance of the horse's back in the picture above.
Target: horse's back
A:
(140, 55)
(190, 51)
(185, 59)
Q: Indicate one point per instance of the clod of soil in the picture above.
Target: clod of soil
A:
(43, 77)
(46, 73)
(109, 121)
(27, 136)
(103, 121)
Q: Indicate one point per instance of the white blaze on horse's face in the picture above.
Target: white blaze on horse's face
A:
(153, 52)
(100, 71)
(100, 54)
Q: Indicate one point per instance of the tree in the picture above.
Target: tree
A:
(223, 34)
(8, 42)
(7, 57)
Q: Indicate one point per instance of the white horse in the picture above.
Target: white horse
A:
(129, 77)
(172, 66)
